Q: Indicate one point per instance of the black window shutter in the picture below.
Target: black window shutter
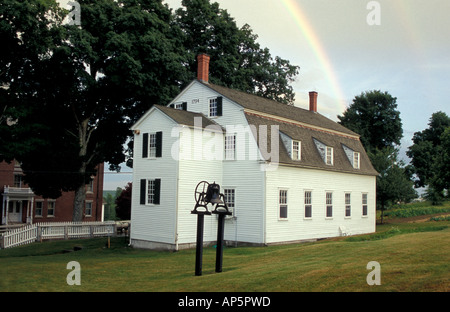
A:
(158, 144)
(157, 196)
(143, 191)
(145, 145)
(219, 106)
(185, 106)
(172, 105)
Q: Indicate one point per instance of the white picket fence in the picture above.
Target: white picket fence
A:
(56, 230)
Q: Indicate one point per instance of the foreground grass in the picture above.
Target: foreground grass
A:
(415, 257)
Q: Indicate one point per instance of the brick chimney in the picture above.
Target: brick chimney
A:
(203, 67)
(313, 101)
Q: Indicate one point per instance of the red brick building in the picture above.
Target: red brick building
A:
(20, 205)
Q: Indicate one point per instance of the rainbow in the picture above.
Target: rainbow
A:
(296, 12)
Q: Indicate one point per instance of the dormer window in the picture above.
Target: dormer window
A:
(353, 157)
(326, 152)
(215, 107)
(356, 160)
(329, 156)
(296, 150)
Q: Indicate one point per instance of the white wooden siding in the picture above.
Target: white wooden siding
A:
(191, 172)
(243, 174)
(256, 213)
(297, 181)
(155, 222)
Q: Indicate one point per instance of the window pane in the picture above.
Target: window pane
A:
(347, 205)
(229, 197)
(329, 204)
(356, 160)
(152, 145)
(213, 107)
(296, 153)
(308, 211)
(230, 147)
(283, 211)
(283, 197)
(151, 192)
(283, 204)
(364, 204)
(329, 156)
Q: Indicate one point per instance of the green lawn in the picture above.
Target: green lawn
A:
(413, 257)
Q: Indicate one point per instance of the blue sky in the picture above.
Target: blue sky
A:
(406, 54)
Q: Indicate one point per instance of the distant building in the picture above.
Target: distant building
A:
(288, 174)
(20, 205)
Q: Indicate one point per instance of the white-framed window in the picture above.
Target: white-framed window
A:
(308, 204)
(229, 195)
(51, 208)
(213, 107)
(152, 145)
(181, 106)
(348, 205)
(329, 204)
(230, 147)
(356, 160)
(150, 190)
(88, 208)
(296, 150)
(364, 204)
(283, 204)
(39, 206)
(329, 156)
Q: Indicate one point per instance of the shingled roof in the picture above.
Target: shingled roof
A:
(260, 104)
(305, 126)
(187, 118)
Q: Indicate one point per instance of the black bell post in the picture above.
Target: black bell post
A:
(205, 194)
(221, 210)
(200, 210)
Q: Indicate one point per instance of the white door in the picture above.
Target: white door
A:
(15, 211)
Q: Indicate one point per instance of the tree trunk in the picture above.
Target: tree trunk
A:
(80, 193)
(78, 204)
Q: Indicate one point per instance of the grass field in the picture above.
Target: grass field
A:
(413, 257)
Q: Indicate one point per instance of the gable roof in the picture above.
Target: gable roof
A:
(187, 118)
(180, 117)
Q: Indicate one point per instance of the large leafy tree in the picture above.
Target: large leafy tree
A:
(28, 33)
(237, 60)
(430, 155)
(393, 182)
(69, 93)
(91, 86)
(374, 115)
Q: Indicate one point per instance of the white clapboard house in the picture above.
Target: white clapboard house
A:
(288, 174)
